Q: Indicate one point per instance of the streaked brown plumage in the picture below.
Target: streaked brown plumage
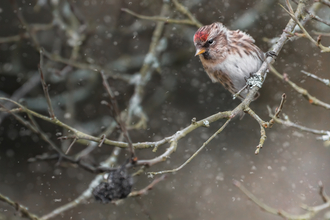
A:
(229, 57)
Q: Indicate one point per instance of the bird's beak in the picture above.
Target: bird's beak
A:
(200, 51)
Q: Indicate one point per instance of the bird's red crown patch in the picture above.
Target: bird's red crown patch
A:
(200, 35)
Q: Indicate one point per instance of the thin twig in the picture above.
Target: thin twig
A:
(294, 17)
(87, 66)
(115, 109)
(286, 122)
(148, 188)
(159, 18)
(263, 124)
(45, 87)
(325, 81)
(102, 141)
(195, 154)
(317, 18)
(61, 155)
(150, 63)
(69, 148)
(19, 208)
(277, 111)
(31, 31)
(311, 211)
(321, 33)
(311, 99)
(187, 13)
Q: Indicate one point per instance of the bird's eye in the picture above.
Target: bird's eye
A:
(210, 41)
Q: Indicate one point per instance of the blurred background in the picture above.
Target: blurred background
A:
(284, 175)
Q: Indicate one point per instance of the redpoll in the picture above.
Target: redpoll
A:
(229, 57)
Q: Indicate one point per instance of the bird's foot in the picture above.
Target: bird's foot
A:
(271, 54)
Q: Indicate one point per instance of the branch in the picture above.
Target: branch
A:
(110, 162)
(182, 9)
(159, 18)
(87, 66)
(148, 188)
(277, 111)
(311, 211)
(317, 18)
(45, 87)
(325, 134)
(195, 154)
(325, 81)
(31, 31)
(187, 13)
(311, 99)
(19, 208)
(150, 63)
(263, 124)
(116, 114)
(295, 18)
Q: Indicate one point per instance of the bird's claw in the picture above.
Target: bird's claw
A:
(271, 54)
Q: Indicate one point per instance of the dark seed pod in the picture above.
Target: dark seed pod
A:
(117, 186)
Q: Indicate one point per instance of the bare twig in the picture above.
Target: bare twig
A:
(150, 63)
(321, 33)
(148, 188)
(325, 81)
(102, 141)
(277, 111)
(286, 122)
(317, 18)
(45, 87)
(263, 124)
(295, 18)
(61, 155)
(69, 148)
(116, 114)
(19, 208)
(159, 18)
(311, 211)
(87, 66)
(182, 9)
(313, 9)
(195, 154)
(31, 31)
(187, 13)
(311, 99)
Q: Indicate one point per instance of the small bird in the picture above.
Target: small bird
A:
(229, 57)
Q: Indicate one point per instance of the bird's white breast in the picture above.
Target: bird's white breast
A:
(239, 68)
